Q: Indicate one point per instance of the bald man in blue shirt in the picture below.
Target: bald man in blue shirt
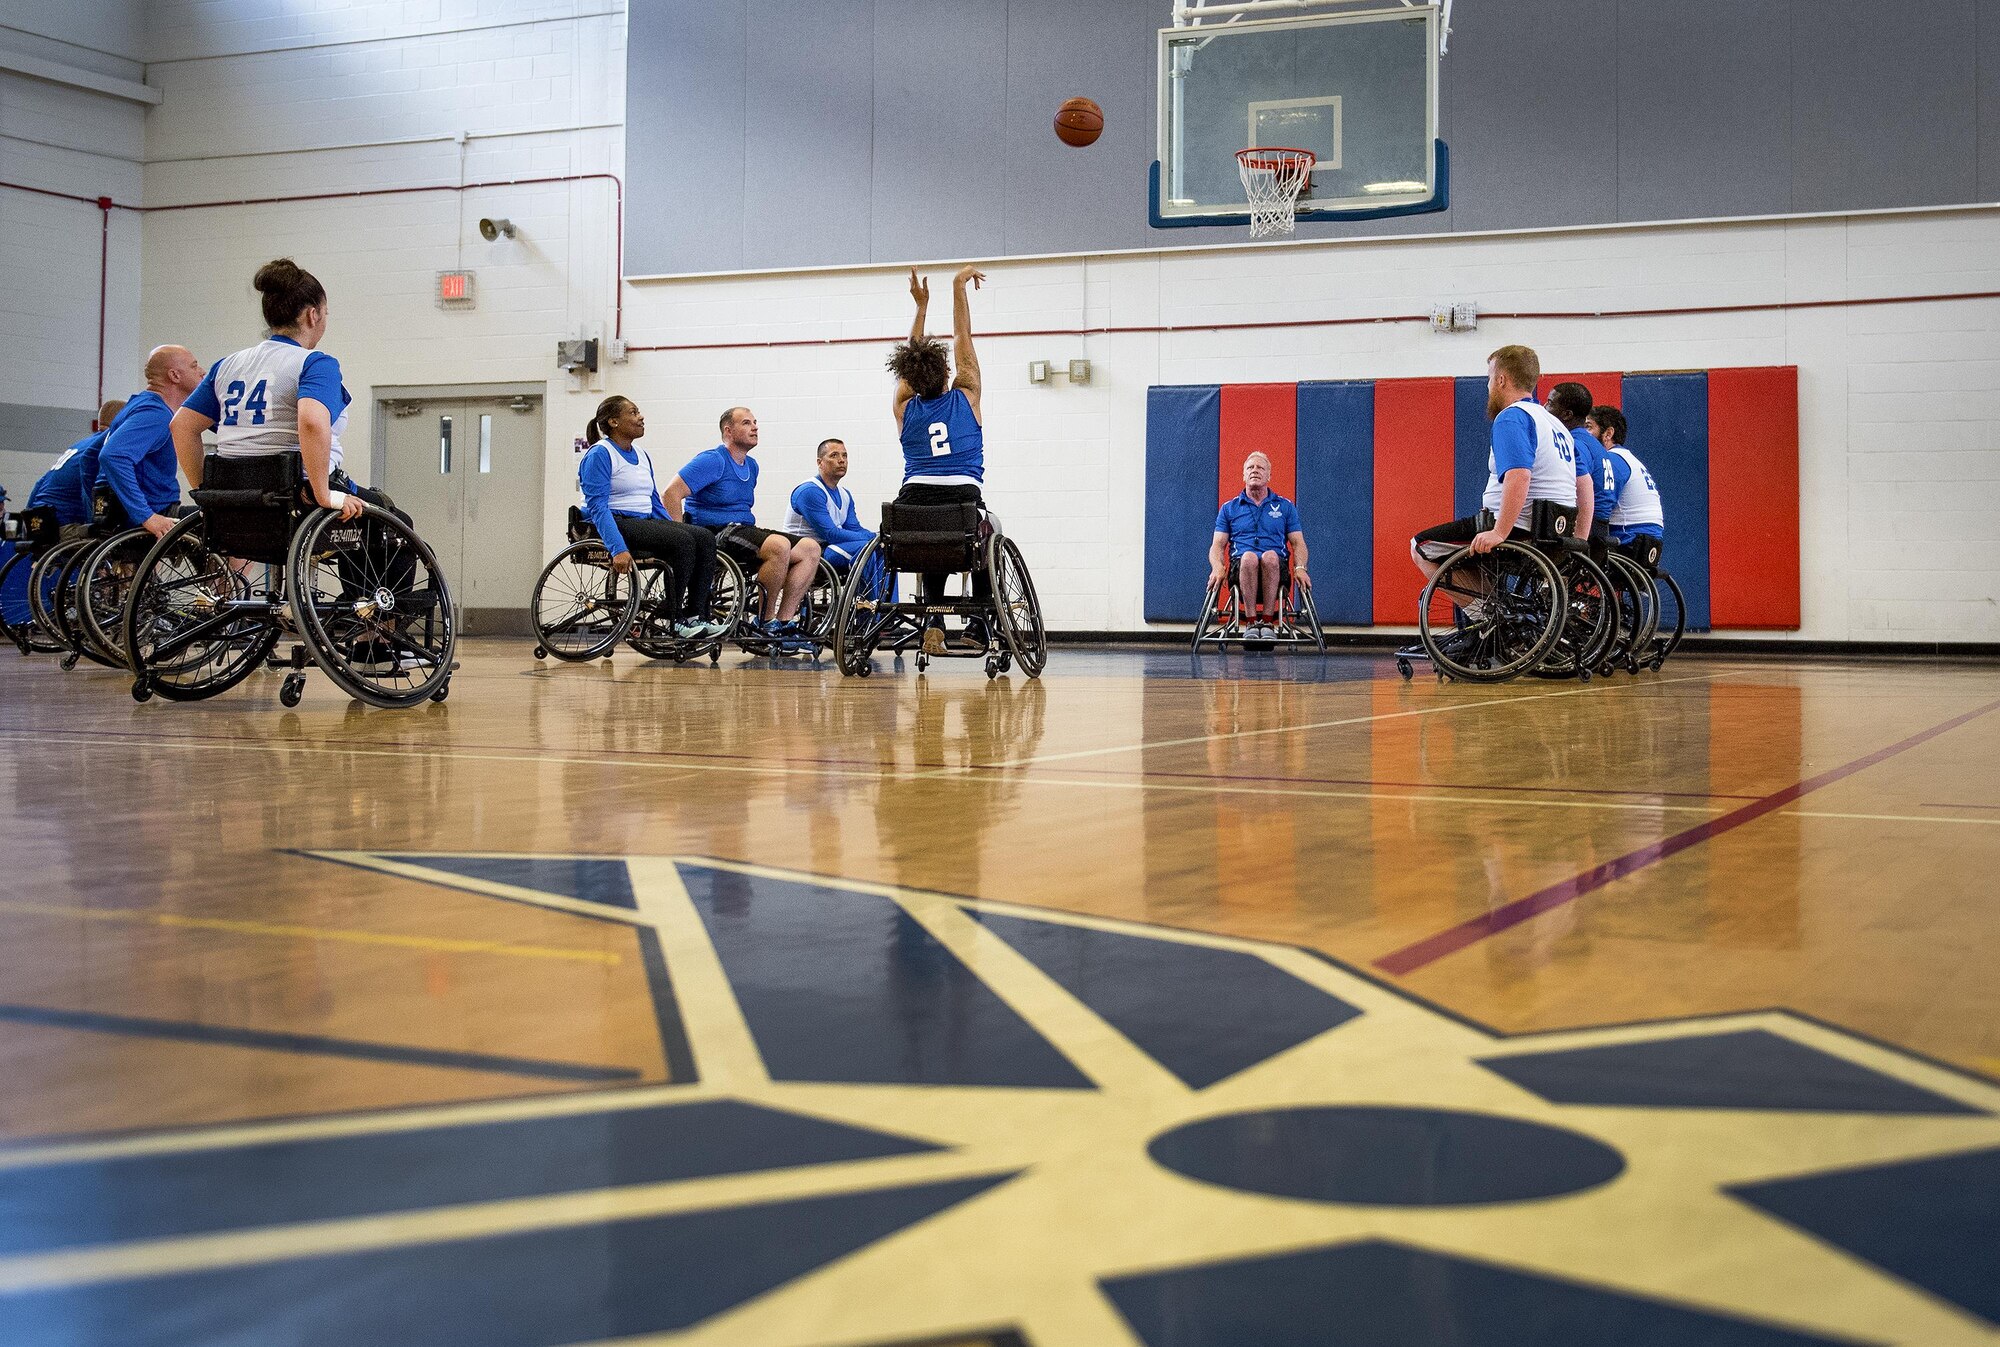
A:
(1260, 527)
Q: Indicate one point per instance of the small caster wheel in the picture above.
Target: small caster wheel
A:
(1658, 662)
(868, 667)
(992, 668)
(609, 653)
(441, 693)
(293, 690)
(541, 652)
(1403, 668)
(142, 691)
(69, 661)
(1583, 675)
(923, 662)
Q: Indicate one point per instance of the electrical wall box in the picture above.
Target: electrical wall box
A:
(1038, 371)
(1079, 371)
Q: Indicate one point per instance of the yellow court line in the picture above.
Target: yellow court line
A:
(351, 937)
(1885, 818)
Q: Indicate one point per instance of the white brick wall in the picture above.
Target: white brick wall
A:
(1901, 458)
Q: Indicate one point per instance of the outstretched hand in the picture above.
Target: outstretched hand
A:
(969, 273)
(920, 290)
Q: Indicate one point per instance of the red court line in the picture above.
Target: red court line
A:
(1432, 948)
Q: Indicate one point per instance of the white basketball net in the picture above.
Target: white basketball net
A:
(1273, 176)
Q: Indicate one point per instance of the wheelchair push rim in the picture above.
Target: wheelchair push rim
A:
(858, 624)
(581, 608)
(1521, 620)
(373, 607)
(191, 628)
(1016, 606)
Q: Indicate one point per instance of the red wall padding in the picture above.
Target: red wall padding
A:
(1259, 416)
(1606, 390)
(1414, 420)
(1753, 497)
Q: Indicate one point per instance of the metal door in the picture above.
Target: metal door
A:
(468, 472)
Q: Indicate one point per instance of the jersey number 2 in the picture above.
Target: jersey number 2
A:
(254, 403)
(940, 439)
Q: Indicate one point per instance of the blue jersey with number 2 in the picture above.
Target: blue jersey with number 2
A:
(942, 440)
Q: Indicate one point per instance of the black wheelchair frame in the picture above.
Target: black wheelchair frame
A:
(1221, 620)
(595, 609)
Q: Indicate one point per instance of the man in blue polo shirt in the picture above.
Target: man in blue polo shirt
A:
(137, 462)
(1260, 527)
(717, 489)
(66, 486)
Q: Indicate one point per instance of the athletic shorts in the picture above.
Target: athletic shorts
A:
(745, 542)
(1441, 540)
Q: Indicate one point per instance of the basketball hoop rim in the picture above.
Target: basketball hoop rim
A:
(1275, 157)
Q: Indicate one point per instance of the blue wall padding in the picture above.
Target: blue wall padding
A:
(1183, 439)
(1337, 498)
(1668, 414)
(1471, 445)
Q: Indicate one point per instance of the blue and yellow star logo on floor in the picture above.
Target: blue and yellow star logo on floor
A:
(909, 1117)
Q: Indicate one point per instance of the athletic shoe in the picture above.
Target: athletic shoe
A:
(934, 637)
(976, 635)
(708, 628)
(688, 629)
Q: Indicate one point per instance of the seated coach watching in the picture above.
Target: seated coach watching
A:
(137, 463)
(825, 510)
(1259, 529)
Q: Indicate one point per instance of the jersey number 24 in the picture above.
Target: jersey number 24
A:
(253, 403)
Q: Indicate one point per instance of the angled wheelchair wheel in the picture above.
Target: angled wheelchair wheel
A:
(191, 627)
(1637, 611)
(822, 604)
(652, 631)
(1305, 615)
(1486, 619)
(1205, 625)
(373, 607)
(20, 569)
(1672, 621)
(105, 585)
(44, 585)
(581, 608)
(858, 620)
(1590, 621)
(1015, 605)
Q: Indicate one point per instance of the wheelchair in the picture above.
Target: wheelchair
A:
(582, 609)
(940, 539)
(817, 611)
(54, 597)
(34, 533)
(1222, 621)
(1652, 616)
(1491, 618)
(1590, 619)
(254, 562)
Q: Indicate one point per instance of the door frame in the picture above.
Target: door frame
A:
(481, 622)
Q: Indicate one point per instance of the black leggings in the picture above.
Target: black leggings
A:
(689, 553)
(919, 492)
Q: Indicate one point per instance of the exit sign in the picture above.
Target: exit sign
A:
(454, 290)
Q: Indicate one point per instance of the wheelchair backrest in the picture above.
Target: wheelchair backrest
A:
(1550, 522)
(107, 516)
(933, 538)
(579, 527)
(1645, 550)
(249, 506)
(37, 528)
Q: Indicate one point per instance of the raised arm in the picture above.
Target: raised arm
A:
(962, 355)
(920, 291)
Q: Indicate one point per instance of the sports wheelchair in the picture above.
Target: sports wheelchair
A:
(582, 609)
(1003, 627)
(1493, 617)
(255, 562)
(95, 580)
(817, 611)
(1651, 615)
(34, 533)
(1222, 619)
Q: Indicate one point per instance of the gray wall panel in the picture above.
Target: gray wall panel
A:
(1059, 49)
(684, 137)
(1884, 103)
(30, 439)
(1700, 122)
(1541, 117)
(920, 129)
(940, 185)
(809, 116)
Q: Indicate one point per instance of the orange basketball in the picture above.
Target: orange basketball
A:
(1079, 122)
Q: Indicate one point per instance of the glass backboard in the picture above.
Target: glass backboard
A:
(1359, 90)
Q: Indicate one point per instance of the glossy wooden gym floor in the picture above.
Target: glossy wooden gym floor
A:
(1732, 923)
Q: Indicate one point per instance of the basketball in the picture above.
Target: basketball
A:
(1079, 122)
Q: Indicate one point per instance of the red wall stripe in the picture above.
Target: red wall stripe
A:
(1415, 424)
(1753, 497)
(1259, 416)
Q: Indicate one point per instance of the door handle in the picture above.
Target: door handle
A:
(444, 445)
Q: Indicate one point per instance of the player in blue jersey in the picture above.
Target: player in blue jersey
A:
(717, 489)
(823, 509)
(1570, 404)
(937, 419)
(1261, 528)
(137, 463)
(66, 486)
(1635, 509)
(622, 500)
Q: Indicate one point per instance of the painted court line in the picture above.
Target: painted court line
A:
(1432, 948)
(312, 1044)
(432, 943)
